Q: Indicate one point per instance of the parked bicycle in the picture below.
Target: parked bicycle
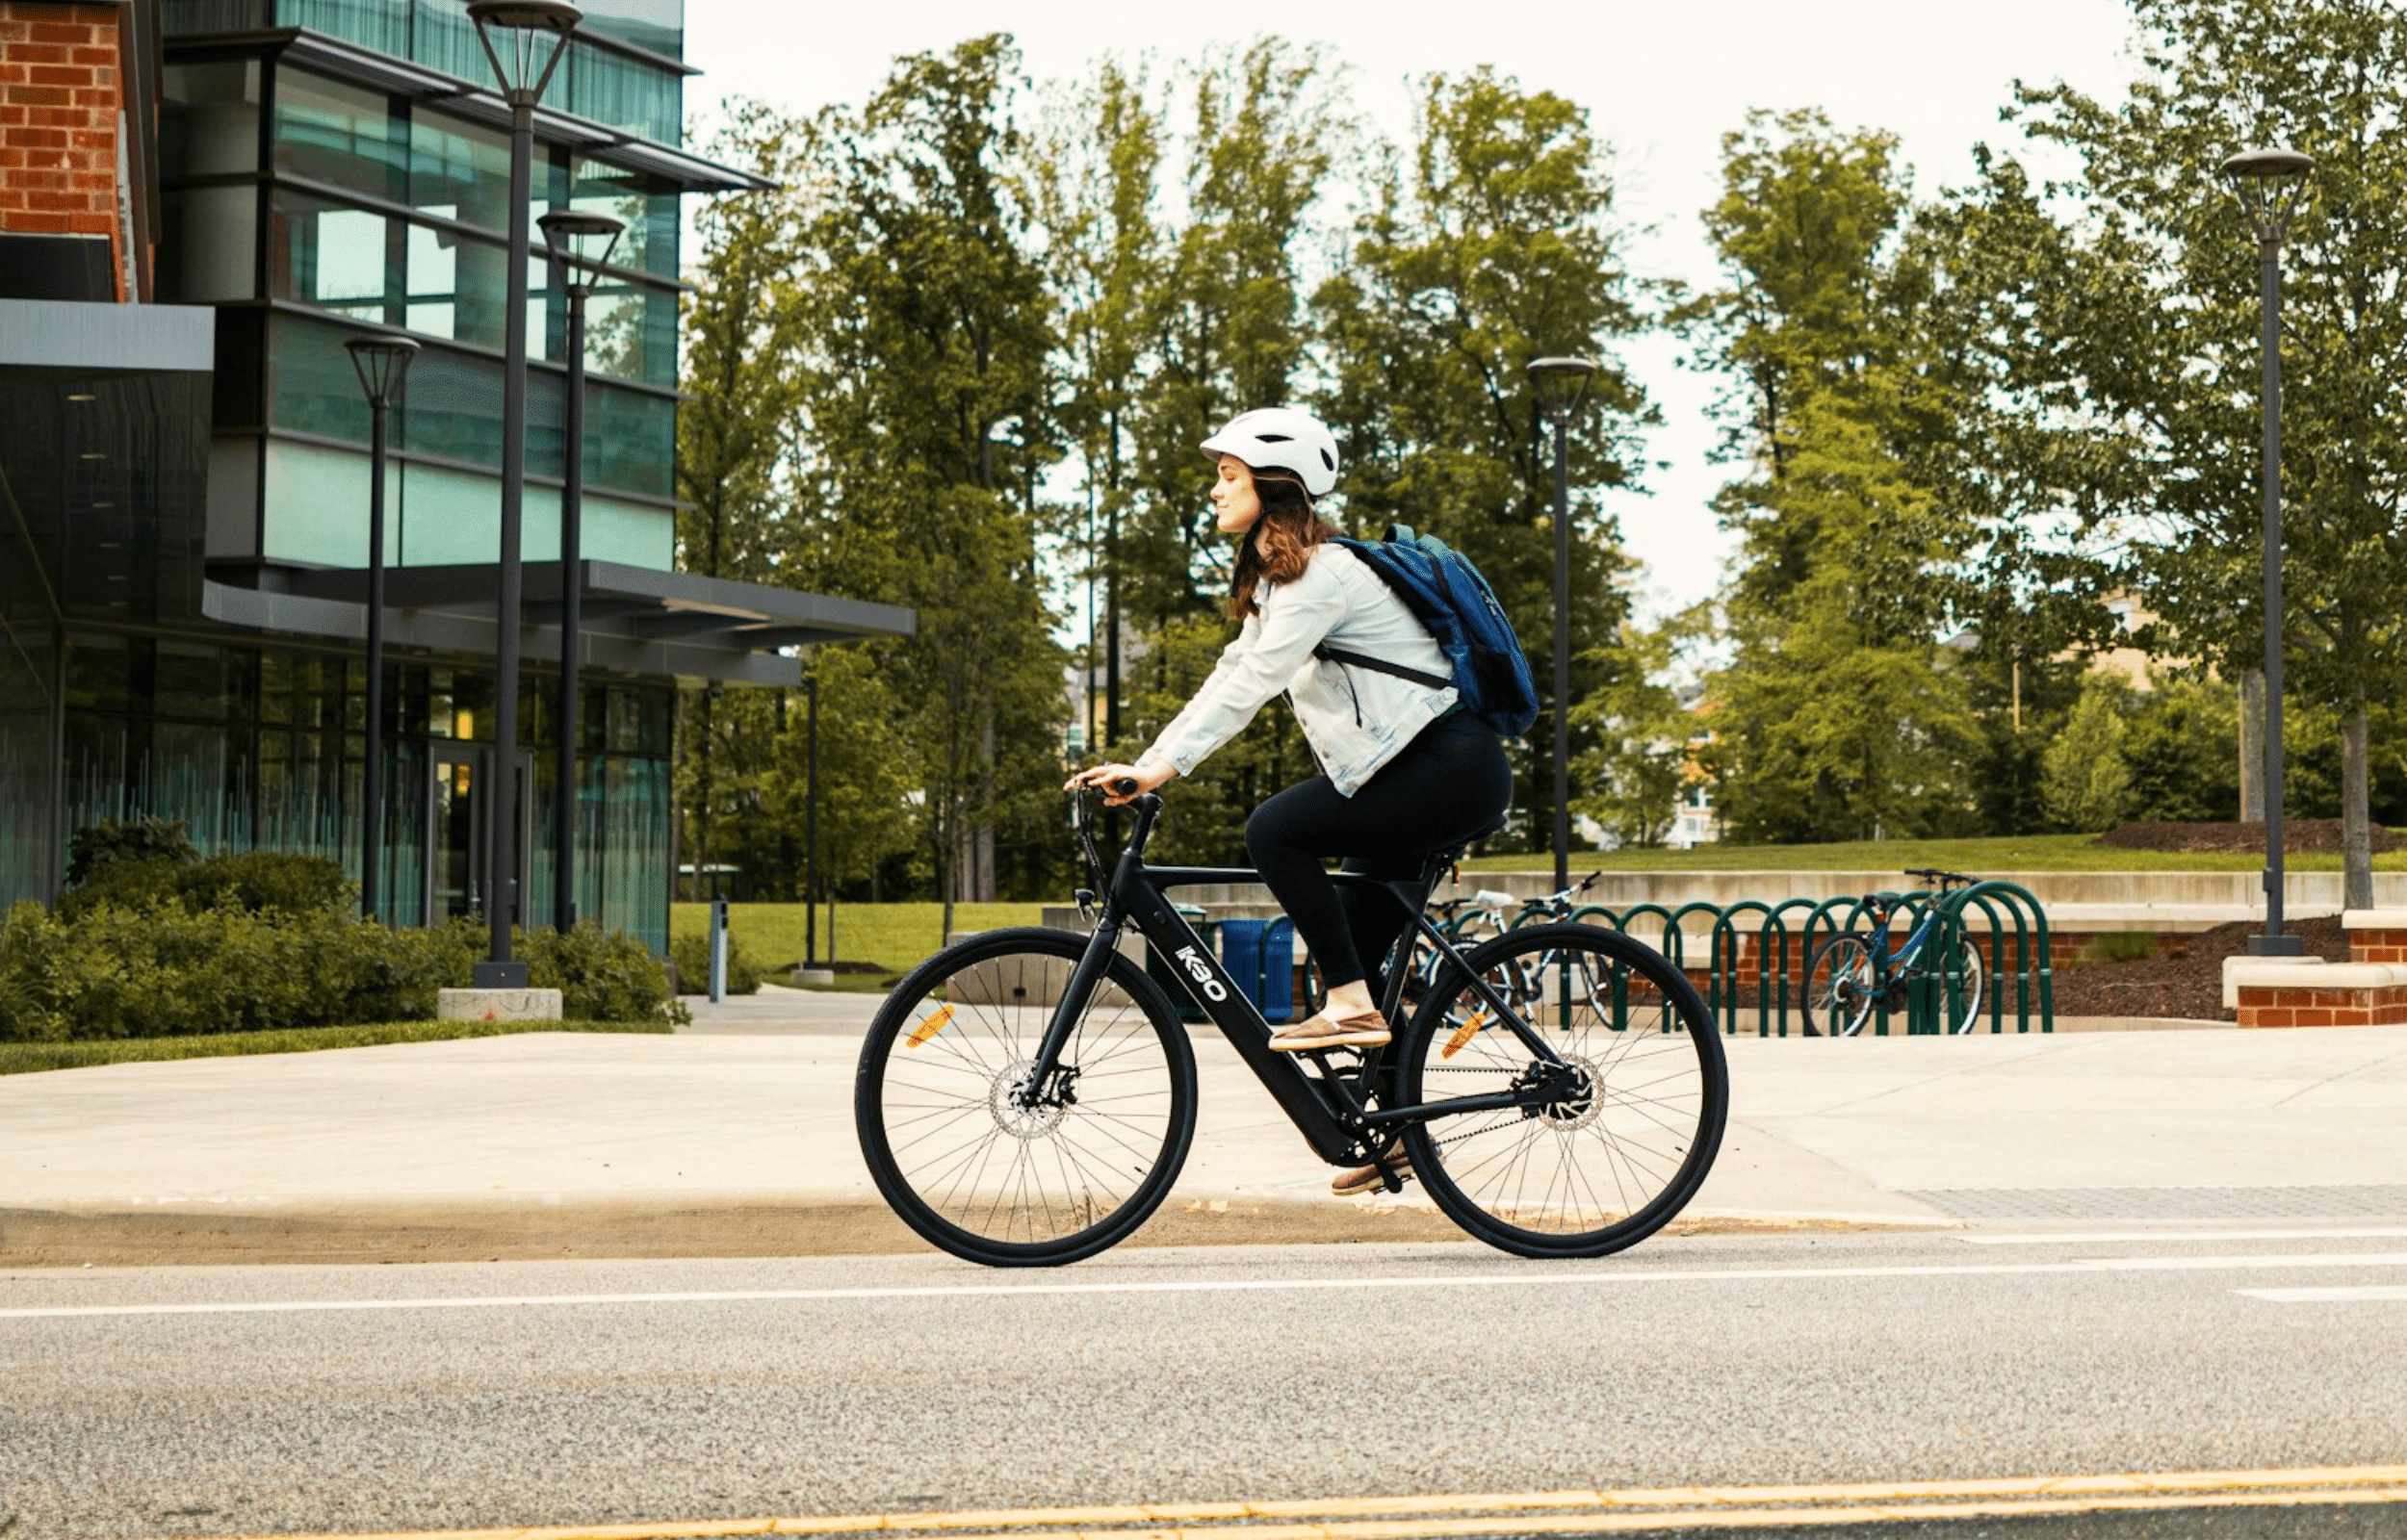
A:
(1855, 974)
(1029, 1096)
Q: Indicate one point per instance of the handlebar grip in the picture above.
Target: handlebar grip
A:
(1124, 787)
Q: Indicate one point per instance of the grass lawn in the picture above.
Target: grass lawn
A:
(2026, 852)
(21, 1057)
(895, 936)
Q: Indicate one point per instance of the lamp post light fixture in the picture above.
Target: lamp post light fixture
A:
(1560, 383)
(2268, 183)
(582, 244)
(526, 40)
(381, 360)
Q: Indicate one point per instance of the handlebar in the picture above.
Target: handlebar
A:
(1945, 880)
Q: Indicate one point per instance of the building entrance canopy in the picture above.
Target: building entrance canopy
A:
(636, 620)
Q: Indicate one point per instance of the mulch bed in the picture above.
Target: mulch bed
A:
(2188, 980)
(2304, 836)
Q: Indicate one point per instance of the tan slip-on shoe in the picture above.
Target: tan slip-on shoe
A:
(1324, 1031)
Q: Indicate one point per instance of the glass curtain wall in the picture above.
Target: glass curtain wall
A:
(596, 81)
(267, 748)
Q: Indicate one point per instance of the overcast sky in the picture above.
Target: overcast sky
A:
(1662, 82)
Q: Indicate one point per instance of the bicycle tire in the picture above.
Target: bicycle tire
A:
(1966, 998)
(1612, 1163)
(995, 1182)
(1842, 989)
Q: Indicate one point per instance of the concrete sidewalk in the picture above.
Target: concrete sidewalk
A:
(735, 1138)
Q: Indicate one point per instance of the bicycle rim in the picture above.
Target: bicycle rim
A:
(1841, 991)
(1965, 988)
(1632, 1125)
(950, 1143)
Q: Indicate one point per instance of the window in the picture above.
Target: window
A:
(630, 441)
(613, 89)
(337, 134)
(209, 119)
(378, 24)
(314, 388)
(631, 333)
(648, 206)
(335, 257)
(659, 25)
(460, 289)
(460, 170)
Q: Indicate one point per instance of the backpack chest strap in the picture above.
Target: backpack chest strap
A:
(1338, 654)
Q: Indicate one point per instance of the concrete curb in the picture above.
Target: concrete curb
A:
(806, 1225)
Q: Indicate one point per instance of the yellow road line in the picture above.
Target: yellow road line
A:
(1445, 1516)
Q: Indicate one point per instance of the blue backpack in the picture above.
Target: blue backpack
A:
(1447, 594)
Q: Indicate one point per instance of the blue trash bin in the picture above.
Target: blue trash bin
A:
(1241, 954)
(1260, 956)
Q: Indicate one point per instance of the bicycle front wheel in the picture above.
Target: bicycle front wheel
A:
(1842, 987)
(974, 1162)
(1620, 1136)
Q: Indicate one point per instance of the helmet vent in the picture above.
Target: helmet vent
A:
(1329, 459)
(1275, 438)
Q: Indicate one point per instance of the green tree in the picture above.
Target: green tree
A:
(743, 376)
(1491, 240)
(1841, 712)
(2132, 337)
(929, 338)
(1097, 185)
(1641, 732)
(2086, 782)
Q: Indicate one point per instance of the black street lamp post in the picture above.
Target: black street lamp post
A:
(381, 360)
(2268, 183)
(1560, 383)
(582, 244)
(811, 830)
(532, 37)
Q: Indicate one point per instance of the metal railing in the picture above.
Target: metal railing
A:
(2004, 920)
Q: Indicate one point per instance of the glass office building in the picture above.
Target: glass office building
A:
(186, 608)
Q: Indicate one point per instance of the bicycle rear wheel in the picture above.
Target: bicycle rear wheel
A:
(1599, 1154)
(961, 1155)
(1963, 986)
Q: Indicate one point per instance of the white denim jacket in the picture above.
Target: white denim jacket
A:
(1354, 718)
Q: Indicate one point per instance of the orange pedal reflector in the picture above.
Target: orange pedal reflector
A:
(1464, 1034)
(929, 1028)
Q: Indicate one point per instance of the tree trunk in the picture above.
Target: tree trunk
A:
(2356, 823)
(2252, 746)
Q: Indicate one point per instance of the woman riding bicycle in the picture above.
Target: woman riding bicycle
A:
(1404, 770)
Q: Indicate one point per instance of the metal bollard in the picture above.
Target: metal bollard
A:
(718, 951)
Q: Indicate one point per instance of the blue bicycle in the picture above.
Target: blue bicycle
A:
(1854, 974)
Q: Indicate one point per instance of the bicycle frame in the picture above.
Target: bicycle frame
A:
(1335, 1117)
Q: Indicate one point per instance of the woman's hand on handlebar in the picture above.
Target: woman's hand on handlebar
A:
(1120, 783)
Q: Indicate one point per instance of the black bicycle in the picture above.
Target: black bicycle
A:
(1026, 1097)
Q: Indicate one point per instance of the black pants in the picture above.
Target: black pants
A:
(1448, 785)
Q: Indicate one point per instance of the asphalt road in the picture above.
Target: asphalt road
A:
(212, 1402)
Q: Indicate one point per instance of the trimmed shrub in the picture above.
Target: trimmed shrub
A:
(691, 953)
(128, 885)
(96, 847)
(269, 882)
(602, 975)
(259, 881)
(166, 971)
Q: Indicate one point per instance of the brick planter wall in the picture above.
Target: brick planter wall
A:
(60, 113)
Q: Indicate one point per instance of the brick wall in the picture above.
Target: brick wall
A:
(59, 117)
(2294, 1007)
(2377, 946)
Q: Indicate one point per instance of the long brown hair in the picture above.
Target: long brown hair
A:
(1280, 545)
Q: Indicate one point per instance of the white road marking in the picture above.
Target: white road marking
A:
(2143, 1237)
(2362, 1294)
(1205, 1285)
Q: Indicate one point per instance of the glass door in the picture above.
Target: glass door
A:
(455, 835)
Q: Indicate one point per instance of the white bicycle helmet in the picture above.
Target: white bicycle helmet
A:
(1281, 438)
